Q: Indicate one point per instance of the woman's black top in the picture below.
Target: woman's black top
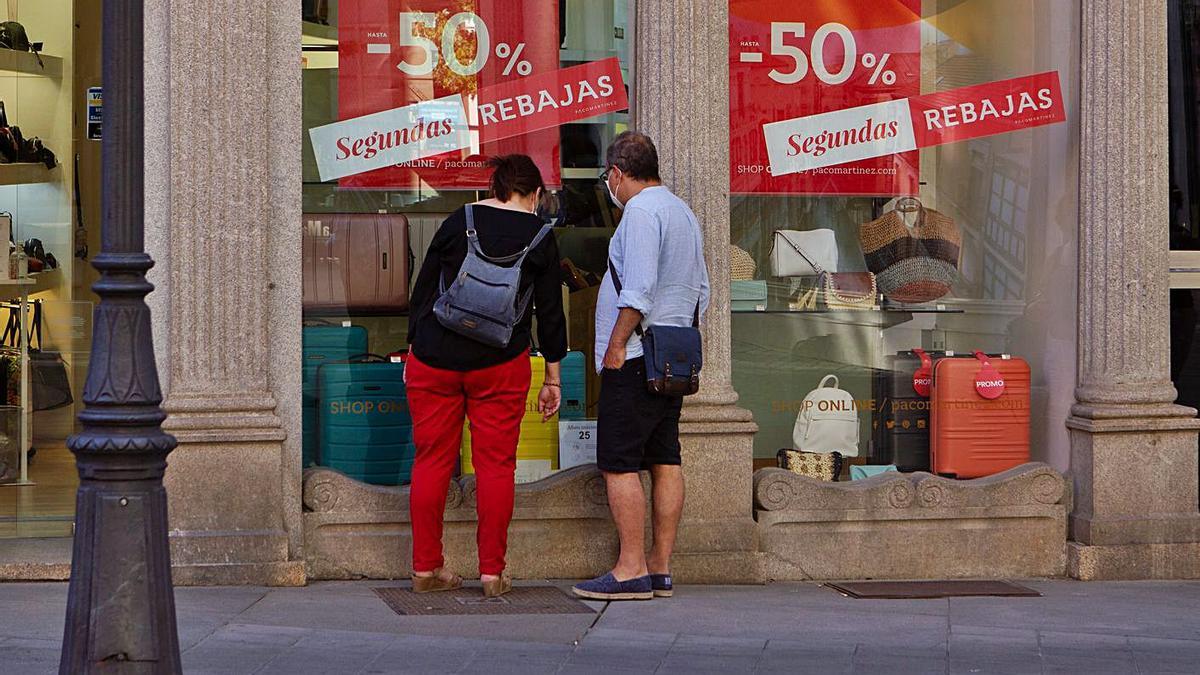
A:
(502, 232)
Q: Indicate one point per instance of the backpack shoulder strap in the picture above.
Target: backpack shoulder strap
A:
(472, 233)
(537, 239)
(518, 257)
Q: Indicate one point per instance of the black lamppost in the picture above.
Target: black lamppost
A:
(120, 606)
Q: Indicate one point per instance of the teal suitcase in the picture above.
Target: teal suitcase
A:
(574, 387)
(324, 343)
(364, 422)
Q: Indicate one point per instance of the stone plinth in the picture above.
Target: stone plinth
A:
(560, 527)
(913, 526)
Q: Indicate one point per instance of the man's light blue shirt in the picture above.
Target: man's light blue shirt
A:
(658, 251)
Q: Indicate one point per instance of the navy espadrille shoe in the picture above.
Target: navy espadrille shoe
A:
(608, 588)
(661, 585)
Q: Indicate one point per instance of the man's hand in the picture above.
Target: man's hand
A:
(614, 357)
(627, 321)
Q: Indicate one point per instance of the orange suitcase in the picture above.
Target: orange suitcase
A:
(979, 411)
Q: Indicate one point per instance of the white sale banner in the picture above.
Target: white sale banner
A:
(390, 137)
(839, 137)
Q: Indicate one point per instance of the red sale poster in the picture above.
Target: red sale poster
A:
(792, 59)
(396, 53)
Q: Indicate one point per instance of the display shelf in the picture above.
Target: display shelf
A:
(318, 34)
(26, 63)
(26, 173)
(602, 120)
(782, 321)
(34, 283)
(590, 173)
(873, 310)
(584, 55)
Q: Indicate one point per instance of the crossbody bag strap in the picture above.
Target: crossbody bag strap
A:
(616, 279)
(816, 267)
(617, 285)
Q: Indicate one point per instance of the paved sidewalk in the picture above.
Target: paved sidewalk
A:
(1135, 627)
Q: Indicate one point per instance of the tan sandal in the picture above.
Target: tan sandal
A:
(497, 587)
(436, 582)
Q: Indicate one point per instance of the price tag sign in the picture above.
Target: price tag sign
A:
(792, 59)
(576, 443)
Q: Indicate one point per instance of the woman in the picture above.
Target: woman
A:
(449, 375)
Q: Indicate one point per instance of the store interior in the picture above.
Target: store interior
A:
(47, 66)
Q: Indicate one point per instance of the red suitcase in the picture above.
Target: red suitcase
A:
(355, 263)
(979, 412)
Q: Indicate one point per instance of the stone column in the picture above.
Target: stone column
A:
(1133, 451)
(224, 200)
(681, 99)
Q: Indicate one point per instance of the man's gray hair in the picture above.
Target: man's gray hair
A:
(635, 155)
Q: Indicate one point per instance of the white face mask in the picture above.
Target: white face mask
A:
(613, 195)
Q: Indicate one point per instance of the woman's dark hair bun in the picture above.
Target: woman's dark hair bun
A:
(514, 174)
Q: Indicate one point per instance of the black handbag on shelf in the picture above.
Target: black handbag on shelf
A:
(14, 147)
(49, 383)
(13, 36)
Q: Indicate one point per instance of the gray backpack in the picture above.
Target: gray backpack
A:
(481, 303)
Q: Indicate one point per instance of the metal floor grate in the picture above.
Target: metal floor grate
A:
(469, 600)
(918, 590)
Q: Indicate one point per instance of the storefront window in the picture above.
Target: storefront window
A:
(49, 217)
(382, 81)
(1184, 76)
(904, 181)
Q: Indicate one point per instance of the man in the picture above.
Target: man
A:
(657, 255)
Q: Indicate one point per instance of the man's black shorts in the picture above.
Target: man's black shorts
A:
(636, 429)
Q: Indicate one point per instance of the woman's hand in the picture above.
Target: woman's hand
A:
(549, 399)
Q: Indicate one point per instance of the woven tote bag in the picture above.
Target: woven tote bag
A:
(917, 264)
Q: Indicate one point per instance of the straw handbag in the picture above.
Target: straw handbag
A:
(741, 265)
(912, 264)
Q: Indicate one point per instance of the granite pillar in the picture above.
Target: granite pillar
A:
(681, 100)
(1133, 451)
(223, 204)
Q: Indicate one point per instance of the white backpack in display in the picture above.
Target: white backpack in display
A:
(828, 421)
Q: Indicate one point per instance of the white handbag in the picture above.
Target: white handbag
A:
(803, 253)
(828, 421)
